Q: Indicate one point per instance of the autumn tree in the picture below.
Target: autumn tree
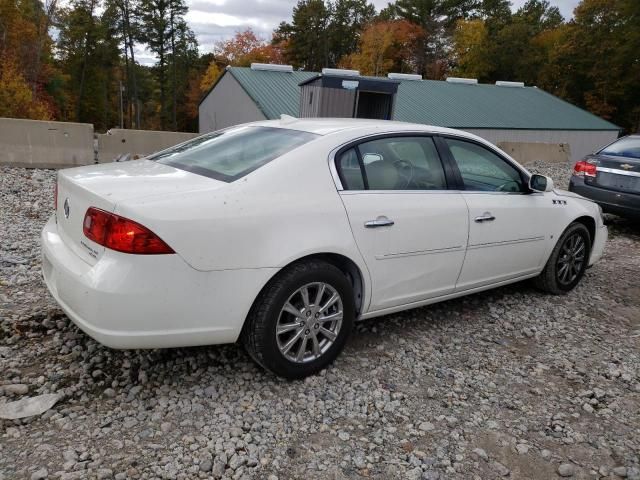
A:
(16, 96)
(25, 45)
(438, 19)
(386, 46)
(244, 48)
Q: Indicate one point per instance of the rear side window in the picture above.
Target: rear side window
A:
(232, 153)
(350, 172)
(393, 163)
(625, 147)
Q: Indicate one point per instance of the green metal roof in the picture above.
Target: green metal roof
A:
(438, 103)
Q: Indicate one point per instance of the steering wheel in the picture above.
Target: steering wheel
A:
(405, 171)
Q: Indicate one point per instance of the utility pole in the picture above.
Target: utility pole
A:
(121, 106)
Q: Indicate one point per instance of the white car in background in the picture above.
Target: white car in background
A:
(282, 233)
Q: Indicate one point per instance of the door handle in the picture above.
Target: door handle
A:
(381, 221)
(485, 217)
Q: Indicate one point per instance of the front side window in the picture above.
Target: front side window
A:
(232, 153)
(625, 147)
(483, 170)
(394, 163)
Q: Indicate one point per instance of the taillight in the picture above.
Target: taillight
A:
(121, 234)
(584, 169)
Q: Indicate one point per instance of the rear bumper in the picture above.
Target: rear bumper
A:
(148, 301)
(611, 201)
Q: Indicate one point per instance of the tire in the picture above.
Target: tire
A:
(305, 321)
(563, 270)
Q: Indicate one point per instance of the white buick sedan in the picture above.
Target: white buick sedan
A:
(280, 234)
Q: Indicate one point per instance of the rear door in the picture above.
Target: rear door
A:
(411, 230)
(507, 223)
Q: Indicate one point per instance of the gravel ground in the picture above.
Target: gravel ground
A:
(508, 383)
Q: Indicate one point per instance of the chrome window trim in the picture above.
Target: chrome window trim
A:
(424, 133)
(618, 172)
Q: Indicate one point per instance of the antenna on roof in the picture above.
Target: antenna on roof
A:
(340, 71)
(404, 76)
(502, 83)
(274, 67)
(466, 81)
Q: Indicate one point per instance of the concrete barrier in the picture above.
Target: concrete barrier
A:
(38, 144)
(529, 152)
(117, 143)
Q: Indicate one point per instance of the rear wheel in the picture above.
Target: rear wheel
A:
(301, 321)
(568, 261)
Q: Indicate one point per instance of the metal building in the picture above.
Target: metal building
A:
(504, 112)
(346, 94)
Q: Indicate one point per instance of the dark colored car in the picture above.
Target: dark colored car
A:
(611, 177)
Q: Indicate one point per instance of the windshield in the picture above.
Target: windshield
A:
(232, 153)
(625, 147)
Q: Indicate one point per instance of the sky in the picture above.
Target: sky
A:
(215, 20)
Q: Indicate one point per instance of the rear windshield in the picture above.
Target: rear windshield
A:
(625, 147)
(232, 153)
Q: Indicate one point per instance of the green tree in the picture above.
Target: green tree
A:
(167, 35)
(348, 19)
(306, 37)
(438, 19)
(596, 61)
(88, 53)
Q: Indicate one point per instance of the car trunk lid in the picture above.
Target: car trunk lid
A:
(105, 186)
(616, 173)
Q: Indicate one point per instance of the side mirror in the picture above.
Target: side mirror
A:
(540, 183)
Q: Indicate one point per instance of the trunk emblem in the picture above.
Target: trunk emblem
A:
(66, 208)
(626, 166)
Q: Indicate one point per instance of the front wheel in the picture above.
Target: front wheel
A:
(567, 262)
(301, 321)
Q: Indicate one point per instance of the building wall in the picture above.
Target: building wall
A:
(316, 101)
(38, 144)
(581, 142)
(227, 105)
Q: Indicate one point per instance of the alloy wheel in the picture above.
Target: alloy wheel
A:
(571, 259)
(309, 322)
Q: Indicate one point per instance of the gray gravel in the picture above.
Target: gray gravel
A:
(505, 384)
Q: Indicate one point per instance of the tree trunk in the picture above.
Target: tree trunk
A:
(174, 120)
(136, 105)
(126, 63)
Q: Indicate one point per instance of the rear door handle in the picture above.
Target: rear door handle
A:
(381, 221)
(485, 217)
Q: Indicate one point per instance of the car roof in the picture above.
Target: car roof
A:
(327, 126)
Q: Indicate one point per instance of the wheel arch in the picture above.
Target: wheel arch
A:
(590, 223)
(350, 269)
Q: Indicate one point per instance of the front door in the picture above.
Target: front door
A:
(411, 230)
(507, 236)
